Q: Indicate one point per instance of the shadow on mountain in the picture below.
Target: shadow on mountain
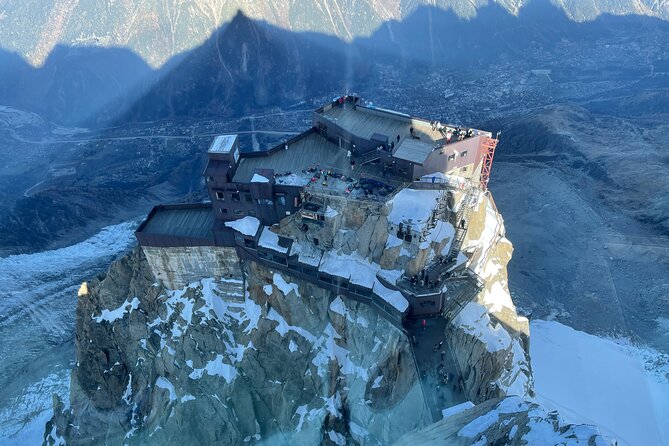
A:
(249, 65)
(246, 66)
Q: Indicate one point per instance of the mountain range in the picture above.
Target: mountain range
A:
(160, 29)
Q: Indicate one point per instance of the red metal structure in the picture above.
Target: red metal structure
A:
(489, 145)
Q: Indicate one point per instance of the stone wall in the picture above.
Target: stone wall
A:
(176, 267)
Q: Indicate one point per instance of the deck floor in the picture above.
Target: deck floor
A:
(186, 222)
(310, 151)
(364, 124)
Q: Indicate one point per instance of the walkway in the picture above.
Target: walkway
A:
(439, 373)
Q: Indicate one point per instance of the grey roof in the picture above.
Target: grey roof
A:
(187, 221)
(310, 150)
(365, 122)
(222, 144)
(413, 150)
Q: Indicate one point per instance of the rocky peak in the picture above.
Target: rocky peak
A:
(252, 354)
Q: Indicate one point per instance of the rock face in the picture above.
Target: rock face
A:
(288, 363)
(510, 421)
(197, 347)
(489, 339)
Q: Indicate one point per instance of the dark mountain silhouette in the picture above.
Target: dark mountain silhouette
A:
(248, 65)
(73, 83)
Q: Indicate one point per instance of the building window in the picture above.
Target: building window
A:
(451, 157)
(235, 196)
(281, 200)
(220, 195)
(248, 198)
(463, 154)
(238, 212)
(403, 171)
(315, 242)
(224, 211)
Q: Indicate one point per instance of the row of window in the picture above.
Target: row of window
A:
(224, 211)
(235, 196)
(452, 156)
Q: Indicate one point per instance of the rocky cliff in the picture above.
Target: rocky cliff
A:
(253, 355)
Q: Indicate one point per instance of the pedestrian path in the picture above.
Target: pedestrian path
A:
(439, 374)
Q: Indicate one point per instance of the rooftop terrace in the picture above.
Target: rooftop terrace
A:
(177, 224)
(365, 122)
(305, 152)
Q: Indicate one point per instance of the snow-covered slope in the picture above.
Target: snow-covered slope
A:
(622, 388)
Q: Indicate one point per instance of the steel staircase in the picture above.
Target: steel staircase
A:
(467, 293)
(461, 223)
(368, 157)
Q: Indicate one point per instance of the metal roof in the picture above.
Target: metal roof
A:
(222, 144)
(310, 150)
(181, 221)
(413, 150)
(365, 122)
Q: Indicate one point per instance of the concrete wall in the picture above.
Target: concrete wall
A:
(438, 161)
(177, 267)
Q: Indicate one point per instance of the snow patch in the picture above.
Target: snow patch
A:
(306, 253)
(242, 312)
(283, 328)
(393, 297)
(114, 315)
(164, 383)
(358, 430)
(247, 225)
(257, 178)
(413, 207)
(454, 410)
(336, 438)
(497, 298)
(270, 240)
(216, 367)
(284, 286)
(474, 320)
(393, 242)
(338, 306)
(127, 395)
